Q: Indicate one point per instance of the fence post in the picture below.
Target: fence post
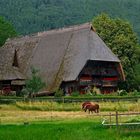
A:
(63, 106)
(117, 119)
(110, 118)
(51, 109)
(63, 99)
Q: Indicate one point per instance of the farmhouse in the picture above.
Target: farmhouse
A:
(73, 58)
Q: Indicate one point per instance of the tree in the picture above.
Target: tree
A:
(29, 16)
(121, 39)
(6, 31)
(35, 83)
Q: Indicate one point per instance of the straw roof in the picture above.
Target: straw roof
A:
(59, 54)
(7, 70)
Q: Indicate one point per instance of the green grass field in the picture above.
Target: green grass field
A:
(59, 121)
(75, 129)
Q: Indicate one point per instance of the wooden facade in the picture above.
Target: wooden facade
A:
(7, 86)
(100, 74)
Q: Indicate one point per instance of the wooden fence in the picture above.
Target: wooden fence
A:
(117, 115)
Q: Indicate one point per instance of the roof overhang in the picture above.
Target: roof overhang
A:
(18, 82)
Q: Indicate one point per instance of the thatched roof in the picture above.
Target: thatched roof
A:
(7, 70)
(60, 54)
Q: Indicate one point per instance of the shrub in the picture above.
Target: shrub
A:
(75, 93)
(135, 93)
(59, 93)
(24, 92)
(122, 92)
(35, 83)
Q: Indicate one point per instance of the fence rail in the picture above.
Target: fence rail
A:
(117, 123)
(122, 114)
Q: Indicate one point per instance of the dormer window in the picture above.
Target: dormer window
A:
(15, 60)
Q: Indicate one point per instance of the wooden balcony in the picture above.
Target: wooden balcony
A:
(109, 83)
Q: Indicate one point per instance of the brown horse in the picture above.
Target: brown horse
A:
(91, 108)
(85, 104)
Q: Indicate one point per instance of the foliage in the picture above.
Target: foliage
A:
(122, 93)
(30, 16)
(59, 93)
(6, 31)
(120, 37)
(135, 93)
(75, 94)
(35, 83)
(137, 75)
(24, 92)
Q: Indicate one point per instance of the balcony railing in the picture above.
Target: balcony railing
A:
(109, 83)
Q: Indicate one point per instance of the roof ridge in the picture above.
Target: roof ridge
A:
(64, 29)
(58, 30)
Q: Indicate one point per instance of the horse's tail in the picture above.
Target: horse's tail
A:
(98, 108)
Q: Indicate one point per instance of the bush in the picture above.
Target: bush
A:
(122, 92)
(24, 92)
(34, 84)
(75, 94)
(135, 93)
(59, 93)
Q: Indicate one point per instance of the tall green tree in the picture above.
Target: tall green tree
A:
(6, 31)
(120, 37)
(35, 83)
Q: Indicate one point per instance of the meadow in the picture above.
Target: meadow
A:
(61, 121)
(75, 129)
(76, 106)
